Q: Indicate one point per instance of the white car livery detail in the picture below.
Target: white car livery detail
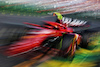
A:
(73, 22)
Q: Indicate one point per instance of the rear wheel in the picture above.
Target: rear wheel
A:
(86, 38)
(86, 35)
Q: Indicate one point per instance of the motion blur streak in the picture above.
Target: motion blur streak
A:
(44, 7)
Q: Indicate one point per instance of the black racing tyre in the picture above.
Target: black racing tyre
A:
(10, 33)
(86, 38)
(66, 42)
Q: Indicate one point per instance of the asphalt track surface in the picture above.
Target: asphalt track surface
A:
(12, 61)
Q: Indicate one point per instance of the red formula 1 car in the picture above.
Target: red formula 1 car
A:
(50, 35)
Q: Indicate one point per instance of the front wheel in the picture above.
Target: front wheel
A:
(68, 46)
